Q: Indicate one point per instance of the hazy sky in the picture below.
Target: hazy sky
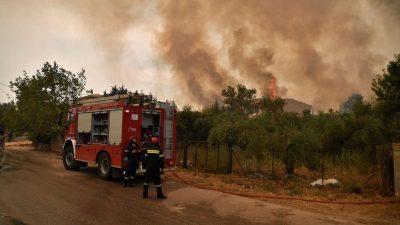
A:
(320, 52)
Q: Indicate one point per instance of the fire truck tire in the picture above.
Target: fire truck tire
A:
(69, 159)
(104, 166)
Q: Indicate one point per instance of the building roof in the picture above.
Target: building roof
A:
(293, 105)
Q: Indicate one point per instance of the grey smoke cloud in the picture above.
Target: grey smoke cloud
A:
(318, 51)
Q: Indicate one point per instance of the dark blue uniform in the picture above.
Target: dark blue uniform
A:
(131, 157)
(154, 159)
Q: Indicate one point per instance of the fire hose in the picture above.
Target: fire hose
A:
(284, 197)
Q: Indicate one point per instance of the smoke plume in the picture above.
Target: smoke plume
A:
(183, 43)
(317, 51)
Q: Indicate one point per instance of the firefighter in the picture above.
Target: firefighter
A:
(154, 157)
(131, 161)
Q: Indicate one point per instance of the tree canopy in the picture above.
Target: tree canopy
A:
(42, 97)
(239, 99)
(387, 90)
(114, 90)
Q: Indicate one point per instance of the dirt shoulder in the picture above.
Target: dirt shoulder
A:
(240, 185)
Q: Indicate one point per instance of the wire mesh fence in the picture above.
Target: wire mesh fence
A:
(205, 157)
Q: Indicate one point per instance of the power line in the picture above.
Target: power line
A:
(4, 85)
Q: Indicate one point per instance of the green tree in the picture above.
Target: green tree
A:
(231, 128)
(239, 100)
(273, 106)
(42, 97)
(185, 119)
(8, 119)
(387, 90)
(387, 87)
(114, 90)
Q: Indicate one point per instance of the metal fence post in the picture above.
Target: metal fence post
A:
(218, 157)
(195, 158)
(230, 159)
(185, 151)
(206, 163)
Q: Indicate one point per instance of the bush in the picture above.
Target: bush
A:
(355, 187)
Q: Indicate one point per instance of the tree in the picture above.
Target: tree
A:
(42, 97)
(116, 91)
(273, 106)
(8, 118)
(240, 99)
(185, 119)
(387, 90)
(387, 87)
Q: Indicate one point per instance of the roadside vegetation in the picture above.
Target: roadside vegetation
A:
(342, 144)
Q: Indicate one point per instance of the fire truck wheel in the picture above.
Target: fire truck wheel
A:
(69, 160)
(104, 166)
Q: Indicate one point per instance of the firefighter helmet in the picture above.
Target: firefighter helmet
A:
(154, 140)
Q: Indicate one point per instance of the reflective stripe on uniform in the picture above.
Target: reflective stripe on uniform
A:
(146, 184)
(153, 152)
(158, 185)
(145, 155)
(162, 155)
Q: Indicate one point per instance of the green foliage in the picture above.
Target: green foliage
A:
(240, 99)
(116, 91)
(8, 119)
(42, 97)
(229, 129)
(387, 90)
(185, 120)
(273, 106)
(306, 139)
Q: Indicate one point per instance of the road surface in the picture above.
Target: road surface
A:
(36, 189)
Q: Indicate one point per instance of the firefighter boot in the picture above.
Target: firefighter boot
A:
(145, 191)
(126, 179)
(160, 194)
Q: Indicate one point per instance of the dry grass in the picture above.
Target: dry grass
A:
(352, 186)
(299, 186)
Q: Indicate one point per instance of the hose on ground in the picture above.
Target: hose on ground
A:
(284, 197)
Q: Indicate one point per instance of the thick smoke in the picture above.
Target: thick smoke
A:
(321, 50)
(183, 43)
(318, 51)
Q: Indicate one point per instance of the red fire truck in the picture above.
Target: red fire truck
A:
(99, 128)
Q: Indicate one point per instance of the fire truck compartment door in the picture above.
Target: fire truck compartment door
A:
(115, 129)
(84, 122)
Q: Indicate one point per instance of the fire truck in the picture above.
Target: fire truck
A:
(99, 128)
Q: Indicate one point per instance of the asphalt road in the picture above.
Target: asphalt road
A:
(36, 189)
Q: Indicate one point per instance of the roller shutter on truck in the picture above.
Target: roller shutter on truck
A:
(115, 127)
(84, 122)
